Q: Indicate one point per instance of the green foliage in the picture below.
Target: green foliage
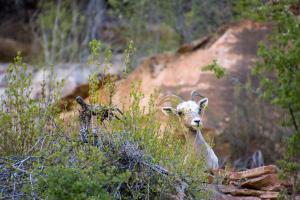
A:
(64, 26)
(292, 154)
(95, 47)
(290, 166)
(23, 119)
(56, 165)
(218, 70)
(140, 126)
(129, 51)
(68, 183)
(86, 177)
(157, 26)
(278, 68)
(144, 129)
(61, 28)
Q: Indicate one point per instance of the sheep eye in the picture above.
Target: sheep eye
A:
(180, 113)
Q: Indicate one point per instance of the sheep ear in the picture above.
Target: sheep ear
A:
(203, 103)
(168, 110)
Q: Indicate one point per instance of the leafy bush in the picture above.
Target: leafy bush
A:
(65, 28)
(76, 171)
(23, 119)
(157, 26)
(68, 183)
(278, 70)
(128, 158)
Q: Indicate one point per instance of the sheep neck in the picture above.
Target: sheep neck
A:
(195, 139)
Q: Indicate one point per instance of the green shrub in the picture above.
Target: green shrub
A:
(131, 158)
(23, 119)
(61, 28)
(278, 71)
(140, 126)
(76, 171)
(157, 26)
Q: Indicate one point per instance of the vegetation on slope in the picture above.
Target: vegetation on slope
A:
(123, 158)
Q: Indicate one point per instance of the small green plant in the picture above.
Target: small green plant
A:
(95, 47)
(129, 51)
(218, 70)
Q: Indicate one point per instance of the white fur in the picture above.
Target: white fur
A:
(188, 106)
(212, 161)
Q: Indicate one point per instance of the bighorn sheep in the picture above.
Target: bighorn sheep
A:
(190, 114)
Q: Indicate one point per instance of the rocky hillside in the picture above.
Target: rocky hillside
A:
(234, 47)
(255, 184)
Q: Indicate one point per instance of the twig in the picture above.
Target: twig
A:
(22, 161)
(293, 118)
(32, 188)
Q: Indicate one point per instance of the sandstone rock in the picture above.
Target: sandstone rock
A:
(216, 194)
(269, 195)
(259, 183)
(204, 42)
(235, 177)
(268, 182)
(242, 192)
(251, 173)
(234, 191)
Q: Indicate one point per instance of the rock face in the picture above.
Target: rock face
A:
(257, 183)
(234, 47)
(75, 76)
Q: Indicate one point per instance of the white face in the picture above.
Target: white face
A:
(189, 112)
(188, 106)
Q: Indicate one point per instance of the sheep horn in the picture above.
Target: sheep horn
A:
(172, 98)
(194, 94)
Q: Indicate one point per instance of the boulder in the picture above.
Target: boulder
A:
(241, 193)
(251, 173)
(269, 182)
(257, 183)
(230, 189)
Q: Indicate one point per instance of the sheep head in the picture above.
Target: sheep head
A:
(189, 112)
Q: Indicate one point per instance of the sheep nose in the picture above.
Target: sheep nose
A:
(197, 121)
